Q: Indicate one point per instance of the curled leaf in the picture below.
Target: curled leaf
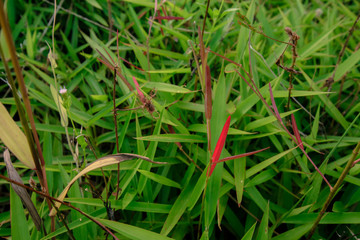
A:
(101, 162)
(51, 57)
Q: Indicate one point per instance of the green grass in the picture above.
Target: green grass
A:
(274, 194)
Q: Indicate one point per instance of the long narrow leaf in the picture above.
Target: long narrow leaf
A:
(132, 232)
(19, 226)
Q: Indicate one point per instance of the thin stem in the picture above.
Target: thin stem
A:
(111, 22)
(51, 21)
(206, 13)
(188, 157)
(335, 189)
(171, 129)
(293, 38)
(115, 119)
(53, 30)
(116, 136)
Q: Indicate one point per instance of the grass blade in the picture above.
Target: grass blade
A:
(132, 232)
(19, 226)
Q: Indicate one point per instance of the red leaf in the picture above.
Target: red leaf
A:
(141, 95)
(242, 155)
(219, 146)
(296, 132)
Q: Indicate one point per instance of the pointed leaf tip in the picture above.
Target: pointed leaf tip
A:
(219, 145)
(242, 155)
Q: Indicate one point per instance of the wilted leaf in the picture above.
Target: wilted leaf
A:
(101, 162)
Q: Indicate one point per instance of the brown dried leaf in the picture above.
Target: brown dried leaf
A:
(21, 192)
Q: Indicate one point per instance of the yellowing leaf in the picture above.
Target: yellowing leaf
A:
(14, 138)
(51, 58)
